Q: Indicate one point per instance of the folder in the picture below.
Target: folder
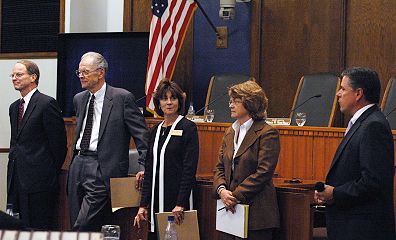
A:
(187, 230)
(232, 223)
(123, 193)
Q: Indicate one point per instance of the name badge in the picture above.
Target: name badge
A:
(177, 133)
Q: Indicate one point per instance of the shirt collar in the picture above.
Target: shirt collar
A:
(101, 92)
(245, 125)
(29, 95)
(360, 112)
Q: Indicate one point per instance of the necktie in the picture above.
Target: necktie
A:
(349, 127)
(20, 112)
(86, 138)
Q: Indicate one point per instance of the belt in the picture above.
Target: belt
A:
(86, 153)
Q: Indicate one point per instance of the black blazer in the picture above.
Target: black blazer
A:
(362, 173)
(38, 148)
(181, 159)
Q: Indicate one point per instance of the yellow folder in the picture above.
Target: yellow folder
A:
(123, 193)
(187, 230)
(232, 223)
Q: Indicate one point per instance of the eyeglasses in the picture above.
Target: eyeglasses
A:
(17, 75)
(86, 72)
(235, 101)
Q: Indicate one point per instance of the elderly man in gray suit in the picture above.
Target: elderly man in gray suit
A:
(107, 117)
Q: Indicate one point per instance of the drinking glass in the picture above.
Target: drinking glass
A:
(301, 118)
(209, 115)
(111, 232)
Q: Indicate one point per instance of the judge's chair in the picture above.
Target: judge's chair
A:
(388, 104)
(317, 97)
(217, 97)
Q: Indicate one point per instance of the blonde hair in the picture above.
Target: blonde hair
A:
(253, 98)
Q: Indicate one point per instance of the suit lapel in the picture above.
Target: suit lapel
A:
(81, 115)
(14, 118)
(106, 110)
(31, 106)
(350, 134)
(250, 138)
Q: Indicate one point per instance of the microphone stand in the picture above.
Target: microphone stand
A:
(214, 100)
(389, 113)
(315, 96)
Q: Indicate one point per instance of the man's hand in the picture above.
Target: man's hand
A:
(178, 212)
(139, 180)
(228, 200)
(140, 216)
(325, 196)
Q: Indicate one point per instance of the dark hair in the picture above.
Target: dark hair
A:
(31, 68)
(168, 86)
(253, 98)
(365, 79)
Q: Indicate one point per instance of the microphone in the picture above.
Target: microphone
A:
(214, 100)
(296, 107)
(389, 113)
(319, 186)
(141, 98)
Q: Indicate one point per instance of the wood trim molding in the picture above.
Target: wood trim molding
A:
(255, 39)
(4, 150)
(127, 23)
(34, 55)
(62, 16)
(343, 35)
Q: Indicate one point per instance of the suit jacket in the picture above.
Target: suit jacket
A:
(254, 165)
(38, 148)
(120, 120)
(180, 166)
(362, 173)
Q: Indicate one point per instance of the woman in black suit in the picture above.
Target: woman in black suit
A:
(172, 158)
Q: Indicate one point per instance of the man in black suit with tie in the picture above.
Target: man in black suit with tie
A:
(359, 185)
(37, 149)
(107, 117)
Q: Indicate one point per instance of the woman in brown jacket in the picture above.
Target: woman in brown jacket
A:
(247, 160)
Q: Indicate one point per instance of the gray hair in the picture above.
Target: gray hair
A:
(99, 60)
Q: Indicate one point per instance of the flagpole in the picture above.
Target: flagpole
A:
(207, 18)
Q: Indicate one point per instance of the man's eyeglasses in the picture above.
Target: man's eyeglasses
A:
(86, 72)
(17, 75)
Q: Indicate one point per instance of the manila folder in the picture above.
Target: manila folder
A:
(232, 223)
(187, 230)
(123, 193)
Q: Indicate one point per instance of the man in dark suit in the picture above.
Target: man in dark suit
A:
(37, 149)
(107, 117)
(359, 184)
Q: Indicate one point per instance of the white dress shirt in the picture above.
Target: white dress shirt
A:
(98, 107)
(240, 133)
(27, 99)
(357, 115)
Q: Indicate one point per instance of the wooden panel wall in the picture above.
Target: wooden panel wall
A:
(371, 36)
(298, 37)
(137, 19)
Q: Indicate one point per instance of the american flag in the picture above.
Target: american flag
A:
(168, 26)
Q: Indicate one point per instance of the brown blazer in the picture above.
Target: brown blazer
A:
(254, 165)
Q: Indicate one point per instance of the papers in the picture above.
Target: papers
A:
(187, 230)
(123, 193)
(235, 224)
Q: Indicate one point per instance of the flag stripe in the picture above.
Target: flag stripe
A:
(169, 22)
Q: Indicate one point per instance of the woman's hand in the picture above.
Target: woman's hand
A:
(228, 200)
(178, 212)
(141, 215)
(139, 180)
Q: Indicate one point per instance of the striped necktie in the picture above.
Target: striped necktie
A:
(86, 138)
(20, 112)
